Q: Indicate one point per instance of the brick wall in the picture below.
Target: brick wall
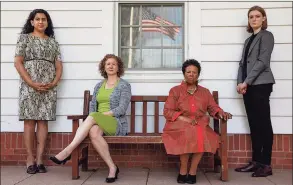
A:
(147, 155)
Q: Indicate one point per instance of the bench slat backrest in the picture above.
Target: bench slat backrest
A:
(145, 99)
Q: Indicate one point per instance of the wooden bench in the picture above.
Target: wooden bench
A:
(220, 158)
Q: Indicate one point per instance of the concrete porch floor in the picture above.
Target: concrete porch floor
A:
(12, 175)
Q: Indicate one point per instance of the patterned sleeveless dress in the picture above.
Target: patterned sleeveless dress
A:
(39, 55)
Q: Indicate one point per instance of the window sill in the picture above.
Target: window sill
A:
(153, 76)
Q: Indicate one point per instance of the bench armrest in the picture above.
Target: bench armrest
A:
(75, 121)
(75, 117)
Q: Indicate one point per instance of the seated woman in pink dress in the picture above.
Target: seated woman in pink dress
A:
(187, 128)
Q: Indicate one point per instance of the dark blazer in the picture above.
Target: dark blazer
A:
(258, 60)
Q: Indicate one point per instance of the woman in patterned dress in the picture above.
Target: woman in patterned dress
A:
(110, 100)
(187, 128)
(38, 62)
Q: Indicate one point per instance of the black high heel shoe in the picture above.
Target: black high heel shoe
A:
(57, 161)
(191, 179)
(113, 179)
(181, 179)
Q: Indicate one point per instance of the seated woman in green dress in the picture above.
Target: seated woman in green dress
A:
(111, 98)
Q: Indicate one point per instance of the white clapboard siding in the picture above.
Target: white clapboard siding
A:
(61, 18)
(279, 107)
(211, 70)
(237, 35)
(86, 36)
(243, 5)
(210, 35)
(92, 53)
(229, 70)
(76, 88)
(281, 125)
(227, 88)
(281, 52)
(238, 17)
(70, 53)
(69, 6)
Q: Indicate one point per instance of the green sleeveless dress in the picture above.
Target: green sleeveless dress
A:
(107, 123)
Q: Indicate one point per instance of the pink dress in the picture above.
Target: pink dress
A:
(180, 137)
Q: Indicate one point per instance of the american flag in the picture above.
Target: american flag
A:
(151, 19)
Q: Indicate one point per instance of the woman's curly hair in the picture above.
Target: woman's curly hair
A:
(119, 62)
(28, 28)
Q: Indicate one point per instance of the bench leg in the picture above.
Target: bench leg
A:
(224, 151)
(223, 164)
(224, 167)
(84, 155)
(75, 169)
(217, 162)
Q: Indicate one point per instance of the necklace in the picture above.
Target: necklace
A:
(191, 91)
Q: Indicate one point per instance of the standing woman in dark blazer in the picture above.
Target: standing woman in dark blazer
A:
(255, 82)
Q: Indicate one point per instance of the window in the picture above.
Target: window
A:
(151, 36)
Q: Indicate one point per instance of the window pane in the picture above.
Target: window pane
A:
(174, 38)
(131, 58)
(151, 36)
(151, 58)
(130, 37)
(172, 58)
(129, 15)
(156, 32)
(172, 15)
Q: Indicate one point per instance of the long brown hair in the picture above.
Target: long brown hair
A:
(28, 28)
(263, 12)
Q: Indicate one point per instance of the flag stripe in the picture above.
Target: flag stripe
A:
(155, 30)
(151, 19)
(169, 24)
(154, 23)
(150, 22)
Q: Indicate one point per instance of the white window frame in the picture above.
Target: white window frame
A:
(192, 45)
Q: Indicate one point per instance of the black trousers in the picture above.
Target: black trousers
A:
(257, 105)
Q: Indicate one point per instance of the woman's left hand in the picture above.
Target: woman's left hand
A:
(109, 113)
(241, 88)
(49, 85)
(224, 115)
